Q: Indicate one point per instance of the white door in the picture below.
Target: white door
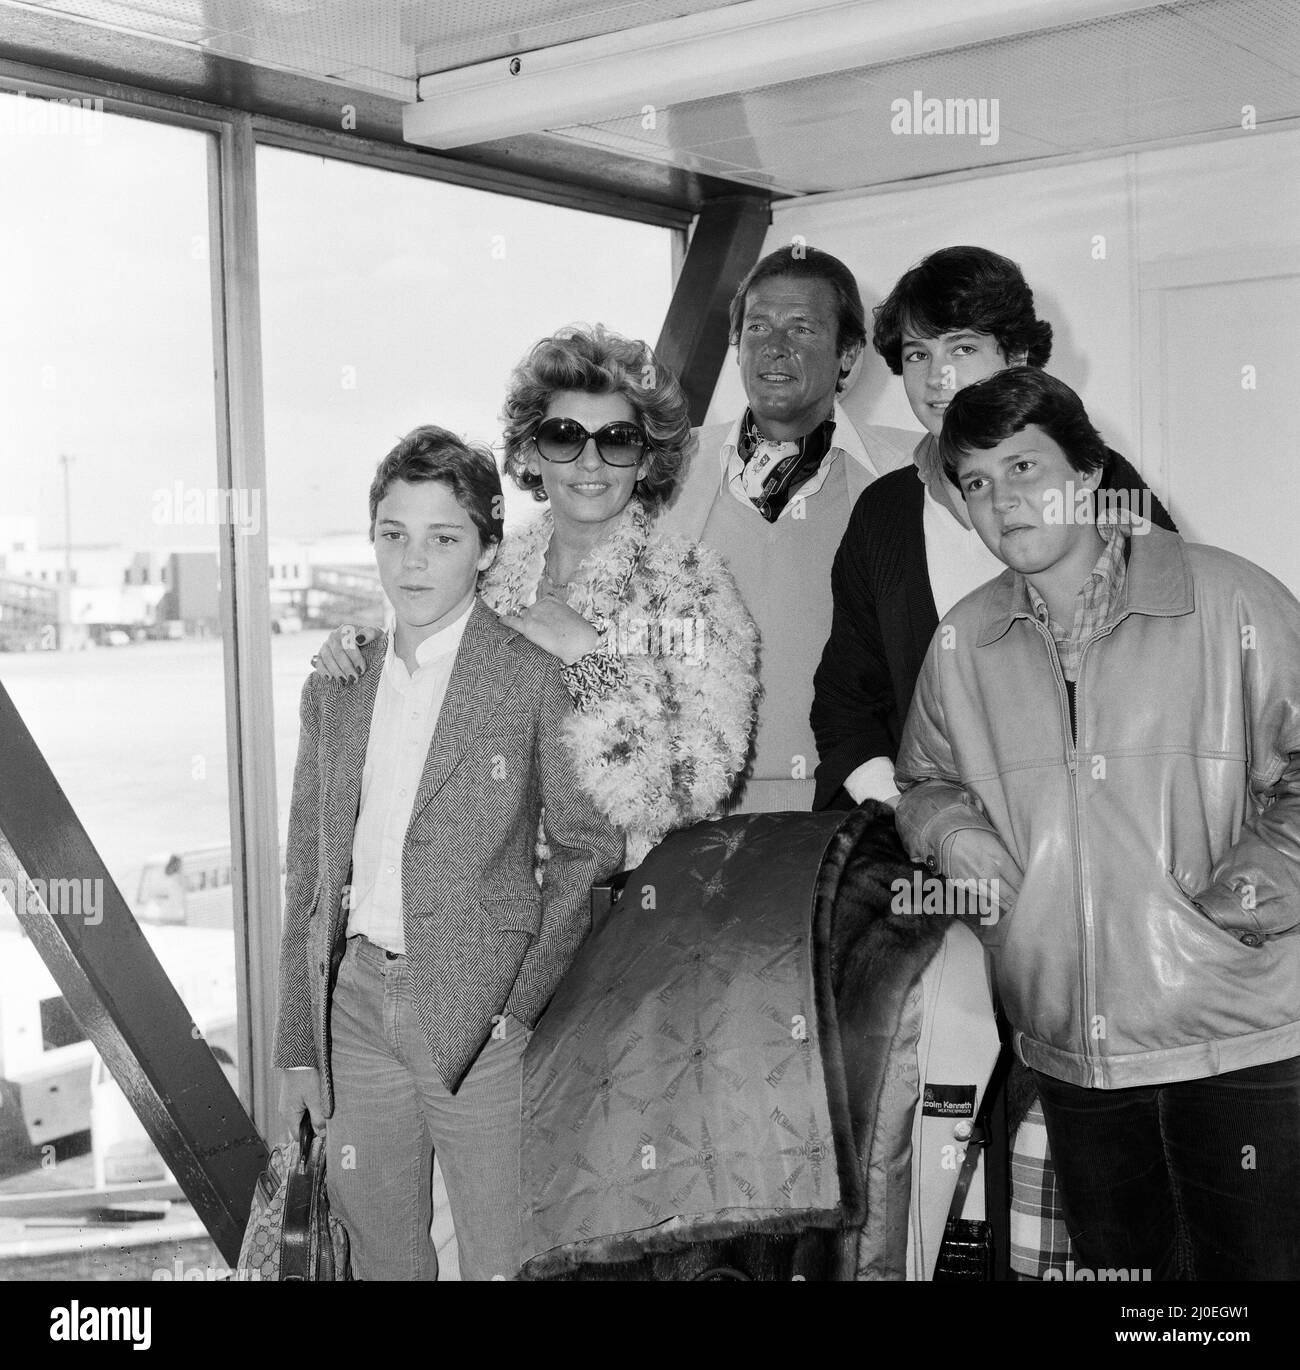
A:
(1221, 418)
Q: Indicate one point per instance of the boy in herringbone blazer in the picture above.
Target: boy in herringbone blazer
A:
(418, 949)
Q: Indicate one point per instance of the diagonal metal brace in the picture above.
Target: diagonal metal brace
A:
(114, 984)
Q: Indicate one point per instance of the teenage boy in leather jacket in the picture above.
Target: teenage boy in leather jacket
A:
(1111, 731)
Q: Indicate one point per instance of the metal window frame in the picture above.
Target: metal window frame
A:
(409, 161)
(246, 608)
(113, 982)
(273, 131)
(696, 333)
(245, 614)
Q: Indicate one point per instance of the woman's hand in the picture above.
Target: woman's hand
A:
(340, 653)
(555, 628)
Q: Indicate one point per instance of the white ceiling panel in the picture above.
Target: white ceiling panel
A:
(460, 34)
(398, 40)
(1167, 73)
(183, 21)
(327, 40)
(1181, 69)
(1269, 31)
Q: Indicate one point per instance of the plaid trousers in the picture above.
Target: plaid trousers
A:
(1039, 1240)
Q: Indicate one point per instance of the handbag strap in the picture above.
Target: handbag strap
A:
(980, 1131)
(295, 1230)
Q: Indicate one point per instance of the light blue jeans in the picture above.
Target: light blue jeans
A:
(391, 1111)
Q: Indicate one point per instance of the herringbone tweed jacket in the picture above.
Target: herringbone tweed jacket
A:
(481, 937)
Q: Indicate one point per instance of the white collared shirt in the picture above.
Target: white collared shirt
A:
(955, 556)
(846, 444)
(401, 731)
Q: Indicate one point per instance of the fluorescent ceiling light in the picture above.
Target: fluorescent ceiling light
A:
(717, 52)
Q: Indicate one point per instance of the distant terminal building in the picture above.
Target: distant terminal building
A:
(98, 593)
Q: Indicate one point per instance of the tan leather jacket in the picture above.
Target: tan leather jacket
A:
(1156, 935)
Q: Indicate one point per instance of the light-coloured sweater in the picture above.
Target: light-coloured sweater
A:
(782, 571)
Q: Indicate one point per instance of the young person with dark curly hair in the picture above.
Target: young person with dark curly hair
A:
(909, 552)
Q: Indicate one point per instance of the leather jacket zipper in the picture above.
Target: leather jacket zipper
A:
(1089, 940)
(1072, 762)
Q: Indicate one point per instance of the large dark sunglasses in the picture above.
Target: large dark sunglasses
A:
(619, 444)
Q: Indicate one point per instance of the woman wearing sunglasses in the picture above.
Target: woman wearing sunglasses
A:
(659, 652)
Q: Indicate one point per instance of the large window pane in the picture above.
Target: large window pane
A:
(109, 638)
(390, 301)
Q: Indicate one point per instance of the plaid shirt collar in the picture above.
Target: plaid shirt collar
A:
(1101, 595)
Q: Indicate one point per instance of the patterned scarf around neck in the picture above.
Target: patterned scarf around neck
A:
(774, 471)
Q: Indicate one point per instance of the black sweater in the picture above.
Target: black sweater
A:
(884, 617)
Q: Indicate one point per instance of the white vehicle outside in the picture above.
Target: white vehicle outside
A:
(53, 1075)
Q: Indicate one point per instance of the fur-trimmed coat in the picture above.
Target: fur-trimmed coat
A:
(664, 746)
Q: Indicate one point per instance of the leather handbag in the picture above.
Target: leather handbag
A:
(291, 1234)
(966, 1253)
